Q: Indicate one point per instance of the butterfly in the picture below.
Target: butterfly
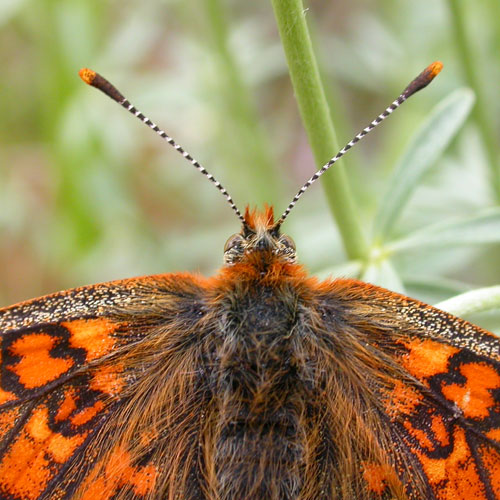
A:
(260, 382)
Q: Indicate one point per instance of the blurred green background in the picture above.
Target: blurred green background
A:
(88, 194)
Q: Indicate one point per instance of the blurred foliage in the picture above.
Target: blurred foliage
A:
(87, 194)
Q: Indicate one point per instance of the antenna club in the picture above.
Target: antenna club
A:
(423, 79)
(87, 75)
(94, 79)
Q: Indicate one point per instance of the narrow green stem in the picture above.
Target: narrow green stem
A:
(310, 95)
(252, 146)
(479, 113)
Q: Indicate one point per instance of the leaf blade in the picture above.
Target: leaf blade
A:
(473, 301)
(483, 228)
(427, 144)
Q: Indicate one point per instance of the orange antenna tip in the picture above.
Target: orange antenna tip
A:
(434, 69)
(87, 75)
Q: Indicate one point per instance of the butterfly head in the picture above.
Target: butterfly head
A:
(259, 234)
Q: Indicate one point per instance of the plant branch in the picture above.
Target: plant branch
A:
(310, 95)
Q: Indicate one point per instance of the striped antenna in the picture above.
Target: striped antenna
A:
(418, 83)
(96, 80)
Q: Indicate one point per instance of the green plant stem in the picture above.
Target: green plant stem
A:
(479, 112)
(310, 95)
(252, 149)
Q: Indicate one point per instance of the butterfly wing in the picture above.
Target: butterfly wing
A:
(435, 381)
(69, 369)
(100, 384)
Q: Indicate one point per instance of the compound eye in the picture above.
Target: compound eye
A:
(233, 241)
(287, 242)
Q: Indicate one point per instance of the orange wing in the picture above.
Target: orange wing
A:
(441, 396)
(67, 366)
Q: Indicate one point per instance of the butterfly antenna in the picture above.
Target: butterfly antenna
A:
(96, 80)
(417, 84)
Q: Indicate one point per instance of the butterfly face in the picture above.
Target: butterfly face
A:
(259, 234)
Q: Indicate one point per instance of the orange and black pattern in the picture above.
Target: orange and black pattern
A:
(260, 382)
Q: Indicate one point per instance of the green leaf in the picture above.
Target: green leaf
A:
(426, 147)
(350, 269)
(433, 288)
(381, 273)
(478, 230)
(483, 299)
(436, 284)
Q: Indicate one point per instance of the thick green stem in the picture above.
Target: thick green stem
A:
(480, 113)
(310, 95)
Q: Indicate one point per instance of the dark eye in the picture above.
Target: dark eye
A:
(233, 241)
(287, 242)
